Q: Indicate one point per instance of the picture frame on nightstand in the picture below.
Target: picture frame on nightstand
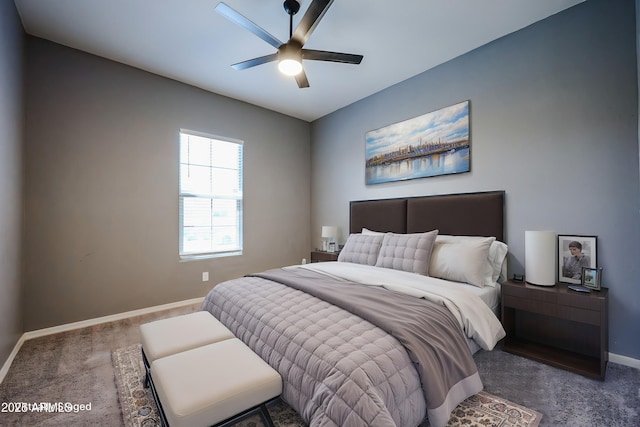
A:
(592, 278)
(574, 253)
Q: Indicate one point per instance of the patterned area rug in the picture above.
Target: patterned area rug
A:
(139, 409)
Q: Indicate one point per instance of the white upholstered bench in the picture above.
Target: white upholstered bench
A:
(165, 337)
(217, 384)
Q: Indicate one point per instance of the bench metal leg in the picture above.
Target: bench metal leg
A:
(266, 418)
(156, 398)
(146, 369)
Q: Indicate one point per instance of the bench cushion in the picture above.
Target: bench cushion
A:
(209, 384)
(176, 334)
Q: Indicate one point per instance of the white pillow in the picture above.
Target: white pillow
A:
(496, 258)
(361, 249)
(463, 261)
(407, 252)
(368, 232)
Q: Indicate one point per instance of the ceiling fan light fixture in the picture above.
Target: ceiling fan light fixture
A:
(290, 59)
(289, 67)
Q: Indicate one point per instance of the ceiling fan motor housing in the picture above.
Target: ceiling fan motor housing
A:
(290, 50)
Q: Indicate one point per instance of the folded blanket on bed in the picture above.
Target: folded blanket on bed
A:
(432, 335)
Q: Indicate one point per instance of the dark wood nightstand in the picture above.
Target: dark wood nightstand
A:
(557, 326)
(322, 256)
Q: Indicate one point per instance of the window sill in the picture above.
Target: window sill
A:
(198, 257)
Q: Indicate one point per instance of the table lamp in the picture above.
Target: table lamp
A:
(329, 235)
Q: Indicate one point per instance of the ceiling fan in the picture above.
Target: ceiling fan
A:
(291, 53)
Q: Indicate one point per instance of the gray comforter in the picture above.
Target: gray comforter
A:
(350, 355)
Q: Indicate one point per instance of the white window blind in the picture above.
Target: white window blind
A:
(210, 196)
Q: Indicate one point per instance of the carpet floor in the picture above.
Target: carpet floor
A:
(76, 367)
(139, 409)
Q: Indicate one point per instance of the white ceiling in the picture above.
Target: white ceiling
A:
(188, 41)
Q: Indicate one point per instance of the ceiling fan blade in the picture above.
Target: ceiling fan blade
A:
(234, 16)
(310, 20)
(301, 79)
(255, 61)
(323, 55)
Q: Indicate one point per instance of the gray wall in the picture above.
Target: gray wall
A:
(101, 196)
(553, 123)
(11, 45)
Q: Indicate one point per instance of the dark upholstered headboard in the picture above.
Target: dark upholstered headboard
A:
(468, 214)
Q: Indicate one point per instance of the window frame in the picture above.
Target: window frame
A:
(239, 227)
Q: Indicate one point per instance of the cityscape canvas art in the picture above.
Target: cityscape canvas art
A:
(436, 143)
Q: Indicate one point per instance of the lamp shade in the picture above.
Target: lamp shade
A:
(540, 257)
(329, 232)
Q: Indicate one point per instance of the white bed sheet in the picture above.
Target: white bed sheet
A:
(490, 295)
(470, 305)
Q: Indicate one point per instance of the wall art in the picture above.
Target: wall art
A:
(436, 143)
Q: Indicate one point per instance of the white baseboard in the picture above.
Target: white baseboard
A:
(85, 323)
(98, 320)
(12, 355)
(624, 360)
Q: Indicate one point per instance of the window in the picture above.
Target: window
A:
(210, 196)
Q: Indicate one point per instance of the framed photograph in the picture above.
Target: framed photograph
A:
(574, 253)
(433, 144)
(592, 278)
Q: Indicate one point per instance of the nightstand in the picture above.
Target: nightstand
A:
(557, 326)
(322, 256)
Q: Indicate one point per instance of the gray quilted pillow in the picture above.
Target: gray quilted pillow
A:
(361, 249)
(407, 252)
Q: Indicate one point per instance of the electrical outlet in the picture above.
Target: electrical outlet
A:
(205, 276)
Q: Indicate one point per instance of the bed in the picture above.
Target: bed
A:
(385, 335)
